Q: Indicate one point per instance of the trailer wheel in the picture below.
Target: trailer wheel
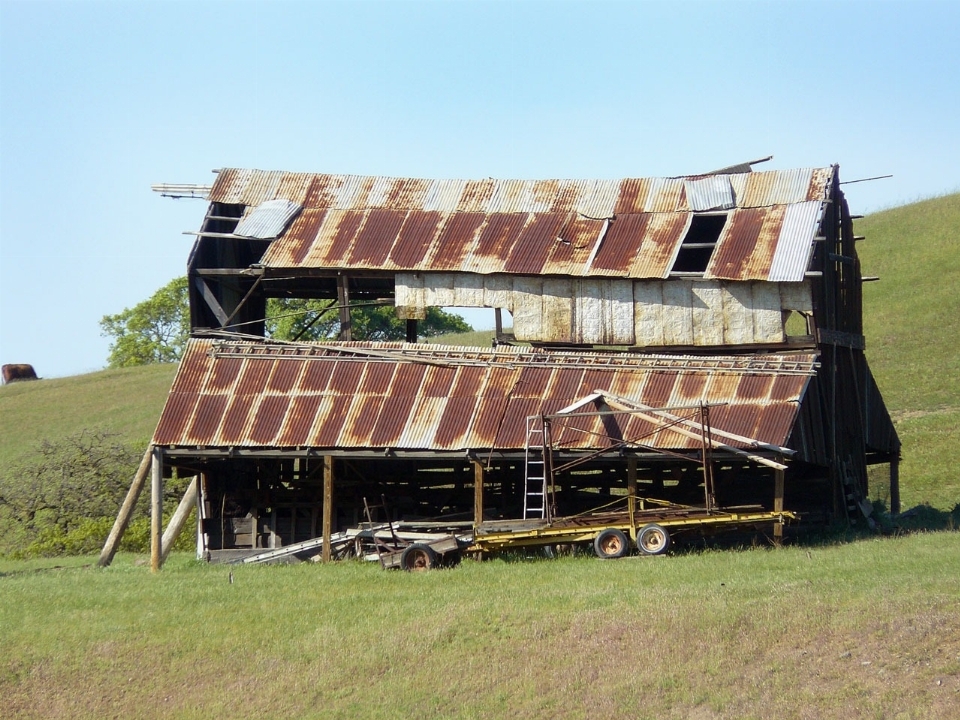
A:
(417, 558)
(610, 544)
(653, 540)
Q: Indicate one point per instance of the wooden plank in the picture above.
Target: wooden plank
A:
(126, 509)
(327, 506)
(156, 509)
(175, 526)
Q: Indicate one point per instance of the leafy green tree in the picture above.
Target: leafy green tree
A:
(312, 320)
(153, 331)
(156, 330)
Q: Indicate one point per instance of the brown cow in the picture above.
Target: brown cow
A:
(15, 372)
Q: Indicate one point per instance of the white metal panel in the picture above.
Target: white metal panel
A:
(707, 313)
(796, 242)
(557, 325)
(648, 313)
(677, 313)
(796, 296)
(527, 308)
(713, 192)
(767, 316)
(738, 313)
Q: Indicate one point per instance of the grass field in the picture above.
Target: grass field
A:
(866, 629)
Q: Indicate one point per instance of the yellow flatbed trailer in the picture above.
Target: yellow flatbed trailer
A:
(613, 534)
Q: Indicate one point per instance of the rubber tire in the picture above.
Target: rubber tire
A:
(653, 540)
(418, 558)
(611, 544)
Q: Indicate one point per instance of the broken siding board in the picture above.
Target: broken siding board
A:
(796, 296)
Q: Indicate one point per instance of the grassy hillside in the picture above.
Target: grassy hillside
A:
(126, 402)
(912, 325)
(861, 630)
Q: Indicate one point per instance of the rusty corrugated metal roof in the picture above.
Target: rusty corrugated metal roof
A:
(361, 396)
(537, 226)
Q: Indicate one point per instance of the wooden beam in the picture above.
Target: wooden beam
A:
(211, 300)
(479, 476)
(170, 535)
(632, 492)
(343, 299)
(778, 477)
(652, 417)
(327, 531)
(126, 510)
(156, 509)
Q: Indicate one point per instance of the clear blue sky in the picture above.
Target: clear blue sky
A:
(98, 100)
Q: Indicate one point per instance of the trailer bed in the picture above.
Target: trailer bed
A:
(505, 534)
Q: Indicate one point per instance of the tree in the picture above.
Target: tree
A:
(312, 320)
(157, 329)
(154, 331)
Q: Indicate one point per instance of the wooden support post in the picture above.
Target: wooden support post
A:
(170, 535)
(632, 493)
(895, 484)
(411, 331)
(778, 476)
(498, 324)
(479, 475)
(327, 507)
(343, 300)
(126, 510)
(156, 509)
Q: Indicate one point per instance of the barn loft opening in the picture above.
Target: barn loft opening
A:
(698, 244)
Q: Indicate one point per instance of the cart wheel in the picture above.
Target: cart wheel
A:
(610, 544)
(418, 557)
(653, 540)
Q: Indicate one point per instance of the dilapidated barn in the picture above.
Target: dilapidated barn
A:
(652, 319)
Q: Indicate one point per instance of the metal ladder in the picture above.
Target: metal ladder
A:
(535, 472)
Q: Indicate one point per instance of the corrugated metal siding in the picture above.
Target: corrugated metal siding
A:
(495, 226)
(268, 220)
(352, 396)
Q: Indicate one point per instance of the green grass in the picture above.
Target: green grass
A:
(912, 326)
(912, 314)
(126, 402)
(864, 629)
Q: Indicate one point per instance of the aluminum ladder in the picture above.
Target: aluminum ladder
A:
(535, 472)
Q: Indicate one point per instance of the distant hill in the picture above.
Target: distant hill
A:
(911, 322)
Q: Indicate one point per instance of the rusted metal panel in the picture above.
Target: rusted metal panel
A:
(417, 225)
(375, 239)
(414, 239)
(664, 236)
(745, 248)
(450, 399)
